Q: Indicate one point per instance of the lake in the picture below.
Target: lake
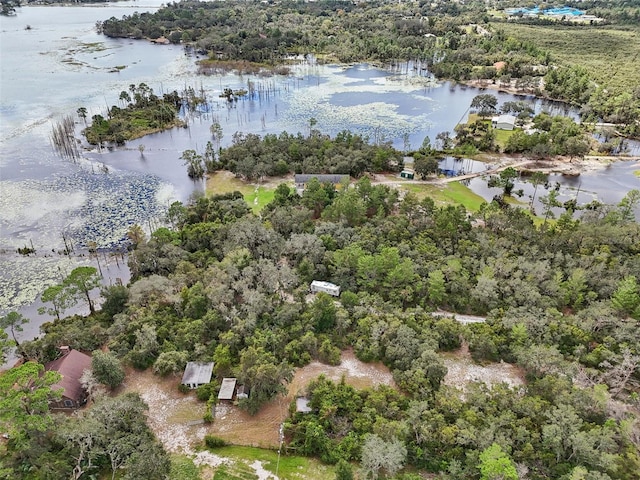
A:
(61, 64)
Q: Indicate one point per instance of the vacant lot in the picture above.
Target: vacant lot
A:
(610, 55)
(462, 370)
(176, 418)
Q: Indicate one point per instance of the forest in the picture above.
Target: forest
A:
(459, 41)
(220, 283)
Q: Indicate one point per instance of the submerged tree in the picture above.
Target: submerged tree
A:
(195, 164)
(13, 321)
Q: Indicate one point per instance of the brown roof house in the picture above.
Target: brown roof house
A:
(71, 366)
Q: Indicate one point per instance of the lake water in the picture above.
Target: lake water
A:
(61, 64)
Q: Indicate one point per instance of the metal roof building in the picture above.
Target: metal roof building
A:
(197, 373)
(227, 389)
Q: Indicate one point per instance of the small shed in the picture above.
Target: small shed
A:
(227, 389)
(242, 392)
(197, 373)
(408, 174)
(70, 366)
(325, 287)
(504, 122)
(302, 405)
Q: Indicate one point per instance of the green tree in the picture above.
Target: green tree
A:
(504, 180)
(170, 363)
(626, 298)
(60, 299)
(195, 164)
(107, 369)
(380, 455)
(136, 235)
(264, 375)
(323, 313)
(437, 287)
(495, 464)
(25, 394)
(537, 179)
(13, 321)
(5, 346)
(485, 104)
(344, 471)
(216, 133)
(82, 113)
(426, 166)
(80, 282)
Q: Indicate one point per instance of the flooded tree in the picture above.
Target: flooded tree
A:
(13, 321)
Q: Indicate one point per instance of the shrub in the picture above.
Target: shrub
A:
(183, 388)
(211, 441)
(204, 392)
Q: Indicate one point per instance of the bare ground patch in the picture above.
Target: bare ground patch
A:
(171, 414)
(174, 416)
(462, 370)
(261, 430)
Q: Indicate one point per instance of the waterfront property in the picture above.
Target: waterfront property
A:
(70, 366)
(504, 122)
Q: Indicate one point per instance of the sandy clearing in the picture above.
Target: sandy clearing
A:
(461, 370)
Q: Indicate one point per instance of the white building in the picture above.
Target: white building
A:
(504, 122)
(325, 287)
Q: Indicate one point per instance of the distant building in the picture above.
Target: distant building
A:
(504, 122)
(227, 389)
(70, 366)
(197, 373)
(326, 287)
(408, 174)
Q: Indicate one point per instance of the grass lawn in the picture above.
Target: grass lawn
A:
(610, 54)
(502, 136)
(259, 197)
(182, 468)
(289, 468)
(255, 196)
(453, 192)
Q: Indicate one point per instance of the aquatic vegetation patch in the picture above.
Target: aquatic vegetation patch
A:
(22, 279)
(379, 120)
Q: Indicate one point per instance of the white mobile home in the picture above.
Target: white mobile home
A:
(325, 287)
